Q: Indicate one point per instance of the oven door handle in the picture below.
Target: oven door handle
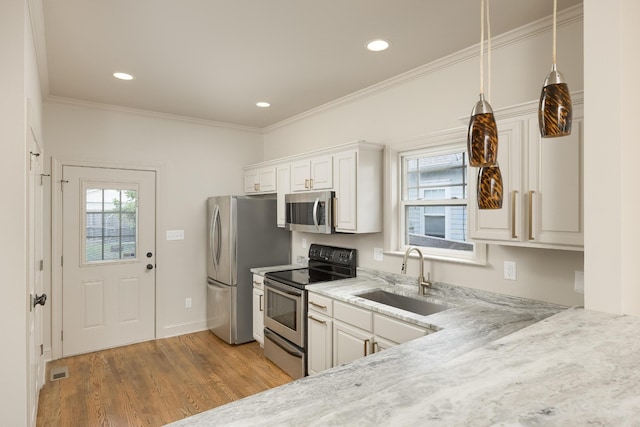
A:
(274, 338)
(286, 289)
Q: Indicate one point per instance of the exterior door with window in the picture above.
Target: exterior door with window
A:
(108, 264)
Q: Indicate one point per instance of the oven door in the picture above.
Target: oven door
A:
(284, 311)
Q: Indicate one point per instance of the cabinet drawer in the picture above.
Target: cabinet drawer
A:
(353, 315)
(258, 281)
(396, 330)
(320, 304)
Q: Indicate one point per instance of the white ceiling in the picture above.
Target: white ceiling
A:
(214, 59)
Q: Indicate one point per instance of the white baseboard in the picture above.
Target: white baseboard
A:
(183, 328)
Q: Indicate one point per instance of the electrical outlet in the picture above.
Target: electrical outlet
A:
(377, 254)
(578, 282)
(510, 270)
(304, 243)
(187, 303)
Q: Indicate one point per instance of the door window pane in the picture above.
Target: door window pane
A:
(111, 224)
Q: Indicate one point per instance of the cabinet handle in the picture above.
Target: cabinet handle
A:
(261, 305)
(317, 320)
(306, 183)
(311, 183)
(514, 195)
(366, 343)
(256, 187)
(375, 347)
(324, 307)
(531, 214)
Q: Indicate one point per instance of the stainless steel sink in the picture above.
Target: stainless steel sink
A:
(404, 303)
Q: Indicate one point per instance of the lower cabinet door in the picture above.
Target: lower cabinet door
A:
(381, 344)
(320, 350)
(258, 315)
(350, 343)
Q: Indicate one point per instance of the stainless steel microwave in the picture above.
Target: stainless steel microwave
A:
(311, 212)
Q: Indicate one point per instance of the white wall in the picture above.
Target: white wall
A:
(612, 199)
(435, 100)
(195, 161)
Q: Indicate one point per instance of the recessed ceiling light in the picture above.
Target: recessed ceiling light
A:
(263, 104)
(123, 76)
(377, 45)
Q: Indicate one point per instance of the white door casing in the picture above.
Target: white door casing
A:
(108, 257)
(35, 284)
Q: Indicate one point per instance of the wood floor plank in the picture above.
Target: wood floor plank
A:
(155, 382)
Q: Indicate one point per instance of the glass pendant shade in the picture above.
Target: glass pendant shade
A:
(490, 187)
(555, 112)
(482, 136)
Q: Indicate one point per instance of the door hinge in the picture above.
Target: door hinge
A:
(61, 261)
(61, 335)
(41, 264)
(41, 349)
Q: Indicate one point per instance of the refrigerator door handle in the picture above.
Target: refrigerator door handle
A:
(215, 238)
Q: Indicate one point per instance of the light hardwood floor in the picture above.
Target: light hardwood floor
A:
(155, 382)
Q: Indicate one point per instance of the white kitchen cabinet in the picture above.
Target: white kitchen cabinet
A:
(349, 343)
(319, 333)
(358, 187)
(358, 332)
(260, 180)
(258, 309)
(312, 174)
(542, 187)
(283, 184)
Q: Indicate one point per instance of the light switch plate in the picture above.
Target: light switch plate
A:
(304, 243)
(175, 234)
(377, 254)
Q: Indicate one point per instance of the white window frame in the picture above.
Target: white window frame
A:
(439, 144)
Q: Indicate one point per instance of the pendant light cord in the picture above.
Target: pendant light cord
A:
(488, 53)
(482, 18)
(481, 47)
(555, 7)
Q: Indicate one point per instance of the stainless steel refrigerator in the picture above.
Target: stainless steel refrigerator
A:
(242, 234)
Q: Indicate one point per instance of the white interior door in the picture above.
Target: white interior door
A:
(35, 284)
(108, 258)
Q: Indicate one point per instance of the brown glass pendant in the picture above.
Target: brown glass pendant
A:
(555, 112)
(482, 136)
(489, 187)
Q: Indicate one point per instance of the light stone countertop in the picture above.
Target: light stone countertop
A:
(497, 360)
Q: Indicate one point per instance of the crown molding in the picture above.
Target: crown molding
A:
(533, 29)
(151, 114)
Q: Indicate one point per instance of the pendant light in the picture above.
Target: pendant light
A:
(482, 136)
(489, 191)
(555, 111)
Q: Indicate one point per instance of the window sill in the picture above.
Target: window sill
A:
(480, 262)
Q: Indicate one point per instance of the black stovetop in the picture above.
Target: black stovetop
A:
(326, 263)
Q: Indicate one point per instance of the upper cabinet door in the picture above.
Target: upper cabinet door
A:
(555, 190)
(261, 180)
(312, 174)
(505, 223)
(346, 191)
(283, 175)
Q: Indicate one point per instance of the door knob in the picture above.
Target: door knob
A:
(149, 266)
(42, 299)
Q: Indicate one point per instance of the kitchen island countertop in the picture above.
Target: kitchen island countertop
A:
(495, 360)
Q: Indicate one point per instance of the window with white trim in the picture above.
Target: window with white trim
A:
(433, 203)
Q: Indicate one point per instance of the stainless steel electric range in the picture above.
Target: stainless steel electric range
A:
(285, 314)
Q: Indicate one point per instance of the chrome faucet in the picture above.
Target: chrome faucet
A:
(422, 284)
